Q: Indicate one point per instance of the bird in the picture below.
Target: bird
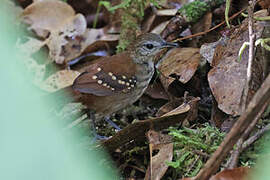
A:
(114, 82)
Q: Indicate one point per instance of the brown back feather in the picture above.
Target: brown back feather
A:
(87, 82)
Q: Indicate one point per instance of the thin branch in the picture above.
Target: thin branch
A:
(233, 160)
(251, 51)
(256, 136)
(256, 104)
(136, 131)
(209, 30)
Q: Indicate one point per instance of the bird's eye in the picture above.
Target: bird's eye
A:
(149, 46)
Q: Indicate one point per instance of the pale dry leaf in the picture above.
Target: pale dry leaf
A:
(31, 46)
(181, 105)
(59, 80)
(95, 39)
(28, 48)
(46, 16)
(68, 32)
(70, 48)
(179, 110)
(167, 12)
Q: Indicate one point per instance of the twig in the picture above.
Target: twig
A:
(205, 155)
(137, 168)
(252, 38)
(233, 160)
(258, 101)
(193, 164)
(255, 137)
(209, 30)
(137, 130)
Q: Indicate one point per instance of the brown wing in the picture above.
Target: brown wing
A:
(109, 76)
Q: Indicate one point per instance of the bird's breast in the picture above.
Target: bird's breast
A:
(144, 73)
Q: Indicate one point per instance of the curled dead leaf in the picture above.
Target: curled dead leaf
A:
(180, 106)
(181, 62)
(180, 109)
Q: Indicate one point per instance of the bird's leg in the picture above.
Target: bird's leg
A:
(107, 118)
(76, 60)
(91, 116)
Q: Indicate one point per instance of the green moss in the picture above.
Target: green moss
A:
(132, 14)
(129, 27)
(194, 10)
(186, 142)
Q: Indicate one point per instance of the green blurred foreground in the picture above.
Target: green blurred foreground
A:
(31, 145)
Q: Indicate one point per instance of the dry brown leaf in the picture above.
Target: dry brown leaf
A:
(59, 80)
(158, 165)
(209, 50)
(264, 4)
(240, 173)
(170, 106)
(99, 38)
(156, 91)
(227, 79)
(203, 24)
(182, 62)
(179, 106)
(46, 16)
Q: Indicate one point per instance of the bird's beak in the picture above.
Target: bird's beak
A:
(169, 44)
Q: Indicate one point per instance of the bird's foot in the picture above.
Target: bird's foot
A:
(98, 137)
(107, 119)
